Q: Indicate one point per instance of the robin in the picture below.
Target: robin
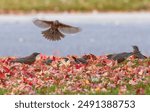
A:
(55, 29)
(120, 57)
(80, 60)
(26, 60)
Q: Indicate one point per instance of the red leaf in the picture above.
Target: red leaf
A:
(42, 56)
(30, 74)
(2, 76)
(66, 76)
(30, 83)
(25, 80)
(140, 91)
(7, 70)
(53, 58)
(78, 66)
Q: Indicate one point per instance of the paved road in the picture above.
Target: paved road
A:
(101, 34)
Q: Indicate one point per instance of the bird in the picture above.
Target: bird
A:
(120, 57)
(26, 60)
(55, 29)
(65, 59)
(80, 60)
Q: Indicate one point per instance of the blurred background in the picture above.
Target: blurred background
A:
(108, 26)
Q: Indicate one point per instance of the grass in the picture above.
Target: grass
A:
(73, 5)
(131, 90)
(3, 91)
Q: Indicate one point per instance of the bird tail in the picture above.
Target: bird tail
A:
(53, 35)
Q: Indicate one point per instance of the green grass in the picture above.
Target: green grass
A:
(74, 5)
(131, 90)
(47, 90)
(3, 91)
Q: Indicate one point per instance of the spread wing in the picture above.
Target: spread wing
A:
(68, 29)
(42, 23)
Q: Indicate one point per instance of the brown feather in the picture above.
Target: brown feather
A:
(68, 29)
(42, 23)
(55, 29)
(53, 35)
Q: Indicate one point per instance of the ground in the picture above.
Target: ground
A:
(62, 76)
(15, 6)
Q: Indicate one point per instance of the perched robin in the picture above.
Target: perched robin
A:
(137, 53)
(55, 29)
(120, 57)
(26, 60)
(79, 60)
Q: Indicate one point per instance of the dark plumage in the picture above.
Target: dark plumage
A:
(66, 59)
(26, 60)
(79, 60)
(55, 29)
(120, 57)
(89, 56)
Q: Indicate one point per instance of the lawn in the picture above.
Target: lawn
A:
(66, 76)
(7, 6)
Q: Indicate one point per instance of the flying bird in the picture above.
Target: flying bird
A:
(26, 60)
(55, 29)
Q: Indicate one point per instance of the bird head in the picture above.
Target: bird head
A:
(135, 49)
(35, 54)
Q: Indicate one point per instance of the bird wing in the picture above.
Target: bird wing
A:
(42, 23)
(68, 29)
(123, 55)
